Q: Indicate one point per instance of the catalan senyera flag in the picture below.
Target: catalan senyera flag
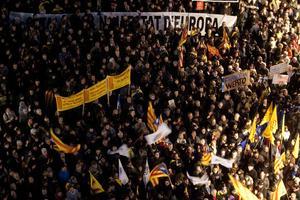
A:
(272, 126)
(212, 50)
(279, 161)
(206, 159)
(157, 172)
(296, 148)
(151, 118)
(267, 115)
(225, 44)
(95, 185)
(60, 146)
(252, 130)
(184, 35)
(279, 191)
(242, 191)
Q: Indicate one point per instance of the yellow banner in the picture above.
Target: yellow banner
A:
(66, 103)
(118, 81)
(96, 91)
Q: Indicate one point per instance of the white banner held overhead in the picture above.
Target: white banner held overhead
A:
(236, 80)
(222, 161)
(163, 20)
(278, 69)
(160, 20)
(280, 79)
(197, 180)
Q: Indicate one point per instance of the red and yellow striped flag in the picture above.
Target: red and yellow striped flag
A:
(213, 51)
(151, 117)
(184, 35)
(225, 44)
(157, 172)
(60, 146)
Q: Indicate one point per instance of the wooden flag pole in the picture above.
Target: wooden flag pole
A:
(129, 89)
(107, 91)
(83, 105)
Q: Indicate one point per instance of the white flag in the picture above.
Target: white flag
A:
(222, 161)
(162, 131)
(122, 174)
(122, 150)
(198, 181)
(146, 173)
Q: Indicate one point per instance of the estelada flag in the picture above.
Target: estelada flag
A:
(157, 172)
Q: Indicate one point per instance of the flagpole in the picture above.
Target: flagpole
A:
(107, 91)
(129, 89)
(83, 105)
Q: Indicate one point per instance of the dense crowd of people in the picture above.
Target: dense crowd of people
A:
(67, 56)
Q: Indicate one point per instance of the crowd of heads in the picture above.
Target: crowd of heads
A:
(72, 54)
